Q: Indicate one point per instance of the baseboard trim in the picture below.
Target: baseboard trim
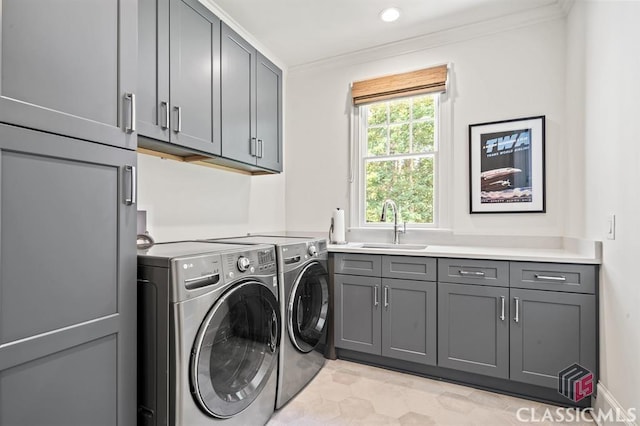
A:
(605, 403)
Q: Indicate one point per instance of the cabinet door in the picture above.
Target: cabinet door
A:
(67, 65)
(67, 280)
(550, 331)
(357, 313)
(409, 320)
(194, 76)
(153, 110)
(473, 328)
(269, 114)
(238, 60)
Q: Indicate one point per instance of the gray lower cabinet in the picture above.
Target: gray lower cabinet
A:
(550, 331)
(473, 328)
(544, 322)
(179, 74)
(358, 319)
(251, 104)
(67, 281)
(379, 315)
(409, 320)
(68, 67)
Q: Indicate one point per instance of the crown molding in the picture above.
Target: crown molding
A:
(550, 12)
(234, 25)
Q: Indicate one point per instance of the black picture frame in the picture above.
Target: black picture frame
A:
(507, 166)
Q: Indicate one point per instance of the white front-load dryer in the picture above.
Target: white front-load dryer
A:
(209, 334)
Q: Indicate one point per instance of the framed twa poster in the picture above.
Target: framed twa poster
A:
(506, 166)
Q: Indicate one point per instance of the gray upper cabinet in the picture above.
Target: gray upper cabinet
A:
(153, 109)
(194, 76)
(551, 331)
(251, 104)
(268, 114)
(179, 74)
(357, 313)
(473, 328)
(409, 320)
(68, 68)
(238, 76)
(67, 280)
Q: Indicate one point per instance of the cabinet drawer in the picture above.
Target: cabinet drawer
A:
(554, 276)
(358, 264)
(468, 271)
(410, 268)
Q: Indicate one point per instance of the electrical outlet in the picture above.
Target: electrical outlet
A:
(611, 227)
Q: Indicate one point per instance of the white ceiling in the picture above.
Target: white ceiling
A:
(303, 31)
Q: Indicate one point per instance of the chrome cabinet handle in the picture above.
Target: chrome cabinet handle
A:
(133, 193)
(376, 302)
(165, 108)
(471, 273)
(550, 277)
(517, 317)
(178, 128)
(260, 148)
(386, 296)
(502, 317)
(252, 147)
(131, 99)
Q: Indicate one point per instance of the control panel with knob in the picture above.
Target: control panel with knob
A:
(243, 263)
(312, 251)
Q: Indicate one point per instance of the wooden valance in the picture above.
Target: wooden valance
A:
(428, 80)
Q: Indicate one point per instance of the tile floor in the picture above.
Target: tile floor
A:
(347, 393)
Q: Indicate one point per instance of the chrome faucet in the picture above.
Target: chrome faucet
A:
(396, 230)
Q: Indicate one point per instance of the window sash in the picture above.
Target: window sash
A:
(362, 151)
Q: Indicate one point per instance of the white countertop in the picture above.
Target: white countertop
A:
(574, 251)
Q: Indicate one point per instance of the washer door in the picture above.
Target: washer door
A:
(236, 349)
(308, 307)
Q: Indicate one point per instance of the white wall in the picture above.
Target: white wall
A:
(189, 201)
(500, 75)
(607, 91)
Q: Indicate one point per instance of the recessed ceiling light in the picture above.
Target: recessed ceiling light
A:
(390, 14)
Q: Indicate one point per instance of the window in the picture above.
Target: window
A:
(396, 146)
(399, 154)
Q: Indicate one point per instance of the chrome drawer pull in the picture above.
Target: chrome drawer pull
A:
(502, 317)
(375, 296)
(517, 317)
(550, 277)
(478, 274)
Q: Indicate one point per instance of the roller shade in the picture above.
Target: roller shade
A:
(427, 80)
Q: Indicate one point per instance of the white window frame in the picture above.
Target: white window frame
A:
(442, 169)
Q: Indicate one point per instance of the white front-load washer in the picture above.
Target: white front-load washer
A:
(209, 334)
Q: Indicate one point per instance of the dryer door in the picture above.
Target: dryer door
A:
(236, 349)
(308, 307)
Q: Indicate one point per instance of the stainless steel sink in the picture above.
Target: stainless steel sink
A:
(389, 246)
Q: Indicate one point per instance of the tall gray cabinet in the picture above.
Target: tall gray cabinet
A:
(69, 67)
(67, 218)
